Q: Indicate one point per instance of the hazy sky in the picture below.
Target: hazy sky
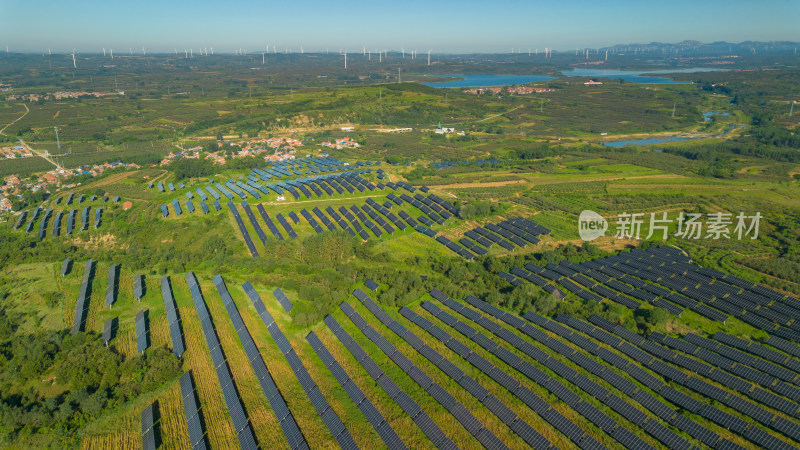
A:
(444, 26)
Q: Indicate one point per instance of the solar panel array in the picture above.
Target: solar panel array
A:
(270, 224)
(149, 423)
(57, 223)
(398, 395)
(666, 278)
(71, 221)
(65, 266)
(247, 240)
(373, 416)
(282, 299)
(443, 397)
(173, 320)
(98, 217)
(239, 419)
(142, 338)
(636, 347)
(83, 297)
(85, 218)
(567, 395)
(138, 286)
(508, 233)
(492, 403)
(112, 285)
(21, 218)
(328, 415)
(276, 401)
(43, 223)
(108, 327)
(254, 222)
(29, 225)
(286, 225)
(191, 410)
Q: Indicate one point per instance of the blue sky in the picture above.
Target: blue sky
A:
(444, 26)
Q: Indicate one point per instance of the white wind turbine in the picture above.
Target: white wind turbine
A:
(429, 57)
(74, 63)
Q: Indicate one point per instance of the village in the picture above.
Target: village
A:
(13, 186)
(514, 90)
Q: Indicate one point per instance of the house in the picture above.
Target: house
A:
(593, 83)
(348, 128)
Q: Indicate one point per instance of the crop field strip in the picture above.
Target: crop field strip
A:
(328, 415)
(442, 396)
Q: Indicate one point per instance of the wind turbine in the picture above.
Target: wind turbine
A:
(104, 52)
(112, 53)
(429, 57)
(74, 63)
(185, 54)
(404, 52)
(143, 52)
(345, 59)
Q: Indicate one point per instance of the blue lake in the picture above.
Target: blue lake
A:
(634, 76)
(486, 80)
(666, 139)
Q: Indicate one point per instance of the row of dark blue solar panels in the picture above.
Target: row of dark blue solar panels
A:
(111, 288)
(373, 416)
(173, 320)
(328, 415)
(34, 216)
(766, 382)
(194, 420)
(442, 396)
(653, 355)
(245, 234)
(437, 437)
(43, 223)
(603, 370)
(279, 408)
(508, 233)
(142, 338)
(492, 403)
(65, 266)
(20, 219)
(138, 286)
(666, 277)
(80, 307)
(149, 424)
(529, 398)
(565, 394)
(108, 328)
(57, 223)
(98, 216)
(240, 422)
(661, 410)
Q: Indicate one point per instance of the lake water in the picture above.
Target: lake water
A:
(468, 81)
(634, 76)
(665, 139)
